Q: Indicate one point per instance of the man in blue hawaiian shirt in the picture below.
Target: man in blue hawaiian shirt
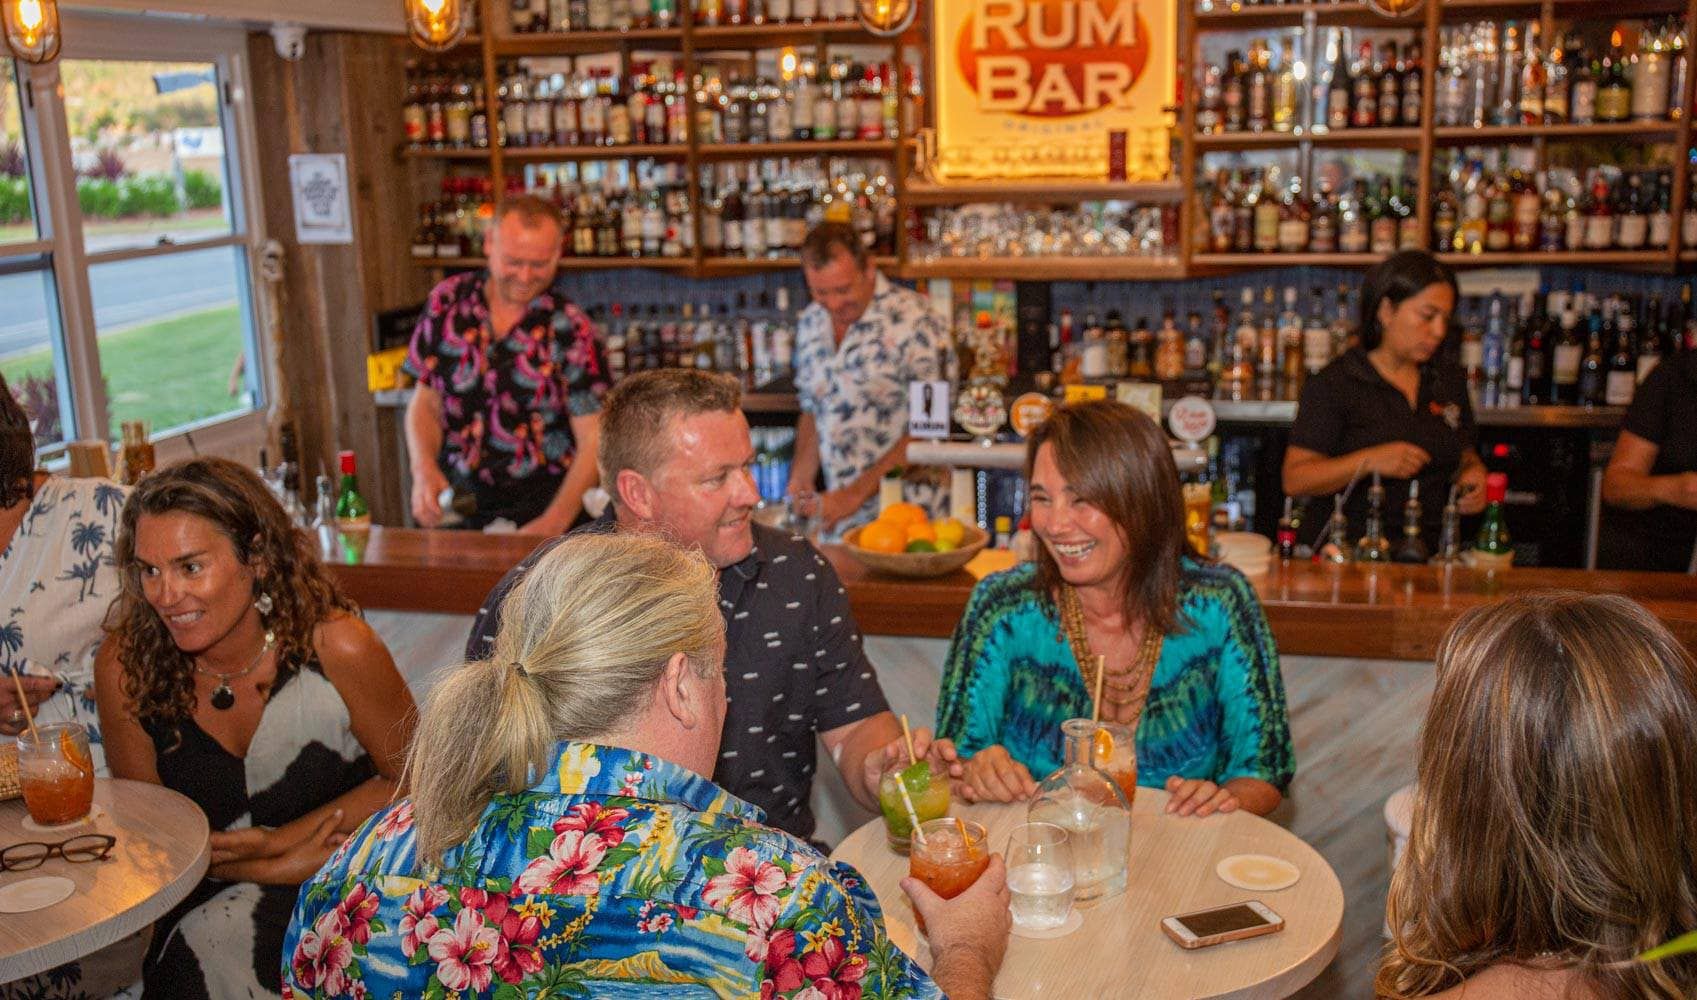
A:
(857, 347)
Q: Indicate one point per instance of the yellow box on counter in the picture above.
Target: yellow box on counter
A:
(383, 369)
(1085, 392)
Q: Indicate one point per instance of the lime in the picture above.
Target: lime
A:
(921, 545)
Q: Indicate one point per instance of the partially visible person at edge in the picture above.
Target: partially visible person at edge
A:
(1190, 663)
(580, 845)
(676, 455)
(510, 378)
(1554, 810)
(236, 673)
(1650, 484)
(1395, 405)
(857, 346)
(57, 577)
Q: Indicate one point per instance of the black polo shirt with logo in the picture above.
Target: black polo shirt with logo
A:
(794, 667)
(1664, 413)
(1348, 406)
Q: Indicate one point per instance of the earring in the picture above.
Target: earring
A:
(263, 603)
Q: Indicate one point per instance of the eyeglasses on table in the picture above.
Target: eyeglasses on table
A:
(34, 853)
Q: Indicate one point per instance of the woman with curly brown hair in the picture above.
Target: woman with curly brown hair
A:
(1555, 810)
(238, 674)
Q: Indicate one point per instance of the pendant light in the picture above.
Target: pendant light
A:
(32, 29)
(886, 18)
(435, 25)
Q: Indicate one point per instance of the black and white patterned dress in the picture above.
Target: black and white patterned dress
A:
(226, 939)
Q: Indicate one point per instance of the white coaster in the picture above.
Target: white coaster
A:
(1073, 922)
(1257, 872)
(35, 893)
(94, 813)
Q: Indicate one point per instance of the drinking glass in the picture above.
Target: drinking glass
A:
(801, 513)
(56, 772)
(927, 789)
(1198, 501)
(1114, 752)
(1040, 879)
(948, 858)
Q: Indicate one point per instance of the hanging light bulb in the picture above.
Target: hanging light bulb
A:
(886, 18)
(32, 29)
(435, 25)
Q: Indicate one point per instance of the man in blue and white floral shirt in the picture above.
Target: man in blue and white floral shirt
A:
(857, 347)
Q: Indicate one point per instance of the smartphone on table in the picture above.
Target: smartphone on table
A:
(1222, 923)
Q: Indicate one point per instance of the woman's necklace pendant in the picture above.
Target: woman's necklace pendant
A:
(223, 697)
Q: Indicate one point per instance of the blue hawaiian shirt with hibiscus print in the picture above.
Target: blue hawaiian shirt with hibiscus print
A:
(617, 875)
(857, 391)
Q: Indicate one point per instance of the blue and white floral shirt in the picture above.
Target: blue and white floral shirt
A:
(857, 393)
(57, 578)
(617, 874)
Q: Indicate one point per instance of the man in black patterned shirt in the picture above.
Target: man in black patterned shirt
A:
(676, 456)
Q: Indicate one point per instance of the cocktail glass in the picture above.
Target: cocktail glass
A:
(949, 858)
(1114, 752)
(928, 790)
(56, 772)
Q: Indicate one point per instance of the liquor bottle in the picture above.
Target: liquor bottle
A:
(1679, 69)
(1240, 357)
(1284, 89)
(1582, 100)
(1287, 534)
(1373, 546)
(1514, 365)
(1411, 81)
(1210, 100)
(1411, 548)
(352, 513)
(1527, 211)
(1169, 351)
(1294, 219)
(1390, 87)
(1316, 335)
(1364, 108)
(1492, 548)
(1506, 109)
(1534, 78)
(1382, 222)
(1650, 71)
(1258, 87)
(1233, 100)
(1661, 211)
(1493, 351)
(1651, 343)
(1267, 341)
(1354, 235)
(1323, 221)
(1614, 93)
(424, 235)
(1339, 93)
(1566, 355)
(1592, 367)
(1556, 83)
(1622, 379)
(412, 110)
(1632, 228)
(1408, 235)
(1266, 218)
(1499, 216)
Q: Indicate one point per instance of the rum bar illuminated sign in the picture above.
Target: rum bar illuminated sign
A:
(1035, 88)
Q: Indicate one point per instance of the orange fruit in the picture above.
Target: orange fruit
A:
(882, 536)
(921, 532)
(904, 514)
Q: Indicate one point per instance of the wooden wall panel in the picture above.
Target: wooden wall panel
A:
(344, 96)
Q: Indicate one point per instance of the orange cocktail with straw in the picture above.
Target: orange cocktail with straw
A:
(948, 855)
(56, 772)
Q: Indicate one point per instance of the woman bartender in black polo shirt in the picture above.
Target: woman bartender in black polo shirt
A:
(1391, 405)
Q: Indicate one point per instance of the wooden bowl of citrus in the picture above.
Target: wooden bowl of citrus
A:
(903, 541)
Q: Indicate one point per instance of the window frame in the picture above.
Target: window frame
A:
(59, 222)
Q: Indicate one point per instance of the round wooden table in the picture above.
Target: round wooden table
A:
(1121, 949)
(162, 851)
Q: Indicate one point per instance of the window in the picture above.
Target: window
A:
(29, 325)
(131, 252)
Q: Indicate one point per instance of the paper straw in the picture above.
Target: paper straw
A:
(23, 703)
(907, 734)
(1096, 699)
(965, 843)
(912, 813)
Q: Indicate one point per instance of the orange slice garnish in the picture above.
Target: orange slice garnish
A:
(1104, 745)
(74, 754)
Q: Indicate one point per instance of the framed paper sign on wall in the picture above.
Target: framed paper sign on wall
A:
(1039, 88)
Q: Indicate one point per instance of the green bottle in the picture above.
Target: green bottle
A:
(1492, 549)
(352, 512)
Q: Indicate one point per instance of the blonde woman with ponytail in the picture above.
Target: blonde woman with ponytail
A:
(561, 836)
(1556, 809)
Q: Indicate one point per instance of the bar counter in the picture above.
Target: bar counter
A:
(1389, 612)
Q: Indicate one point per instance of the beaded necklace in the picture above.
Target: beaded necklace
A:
(1124, 692)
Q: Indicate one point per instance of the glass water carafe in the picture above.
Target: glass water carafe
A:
(1093, 810)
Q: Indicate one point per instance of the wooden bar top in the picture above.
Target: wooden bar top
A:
(1388, 612)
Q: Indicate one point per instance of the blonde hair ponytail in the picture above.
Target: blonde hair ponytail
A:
(584, 637)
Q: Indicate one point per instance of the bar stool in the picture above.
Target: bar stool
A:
(1399, 819)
